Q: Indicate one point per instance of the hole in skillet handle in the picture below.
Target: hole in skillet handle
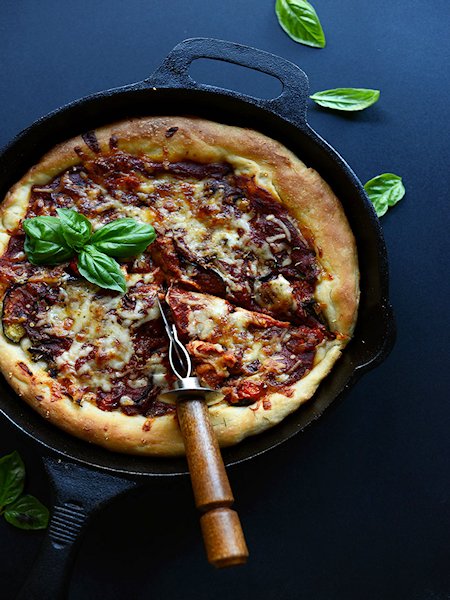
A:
(290, 104)
(246, 81)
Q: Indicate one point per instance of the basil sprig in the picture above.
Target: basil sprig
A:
(348, 99)
(300, 21)
(53, 240)
(385, 191)
(23, 511)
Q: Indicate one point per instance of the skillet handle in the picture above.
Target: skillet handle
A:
(79, 493)
(290, 104)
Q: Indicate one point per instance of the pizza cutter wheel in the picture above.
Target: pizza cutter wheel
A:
(221, 527)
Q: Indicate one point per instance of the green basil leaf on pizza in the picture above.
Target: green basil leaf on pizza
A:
(76, 229)
(123, 238)
(53, 240)
(98, 268)
(45, 243)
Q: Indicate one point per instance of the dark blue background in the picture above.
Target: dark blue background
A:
(357, 506)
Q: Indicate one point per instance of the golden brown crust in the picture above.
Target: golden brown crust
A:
(308, 198)
(158, 435)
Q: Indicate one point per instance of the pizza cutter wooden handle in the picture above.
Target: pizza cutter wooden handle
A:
(221, 528)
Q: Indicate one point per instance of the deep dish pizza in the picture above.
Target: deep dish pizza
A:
(253, 255)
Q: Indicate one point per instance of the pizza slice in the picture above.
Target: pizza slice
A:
(97, 347)
(246, 355)
(230, 238)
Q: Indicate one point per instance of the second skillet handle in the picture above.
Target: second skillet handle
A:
(221, 528)
(79, 493)
(290, 104)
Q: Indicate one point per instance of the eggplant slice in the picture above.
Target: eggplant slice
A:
(13, 313)
(21, 307)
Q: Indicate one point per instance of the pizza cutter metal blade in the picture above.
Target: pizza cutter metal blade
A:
(221, 527)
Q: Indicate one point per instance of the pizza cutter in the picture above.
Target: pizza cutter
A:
(221, 527)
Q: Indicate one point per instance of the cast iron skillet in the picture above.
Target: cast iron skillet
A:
(84, 476)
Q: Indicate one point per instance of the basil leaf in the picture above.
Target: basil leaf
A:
(349, 99)
(45, 243)
(12, 478)
(300, 21)
(76, 229)
(123, 238)
(27, 513)
(385, 191)
(100, 269)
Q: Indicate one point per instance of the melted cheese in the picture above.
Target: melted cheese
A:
(204, 320)
(278, 294)
(212, 320)
(95, 330)
(210, 234)
(100, 329)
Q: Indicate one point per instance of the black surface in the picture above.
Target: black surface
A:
(358, 505)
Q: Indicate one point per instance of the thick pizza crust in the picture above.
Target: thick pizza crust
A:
(158, 435)
(308, 198)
